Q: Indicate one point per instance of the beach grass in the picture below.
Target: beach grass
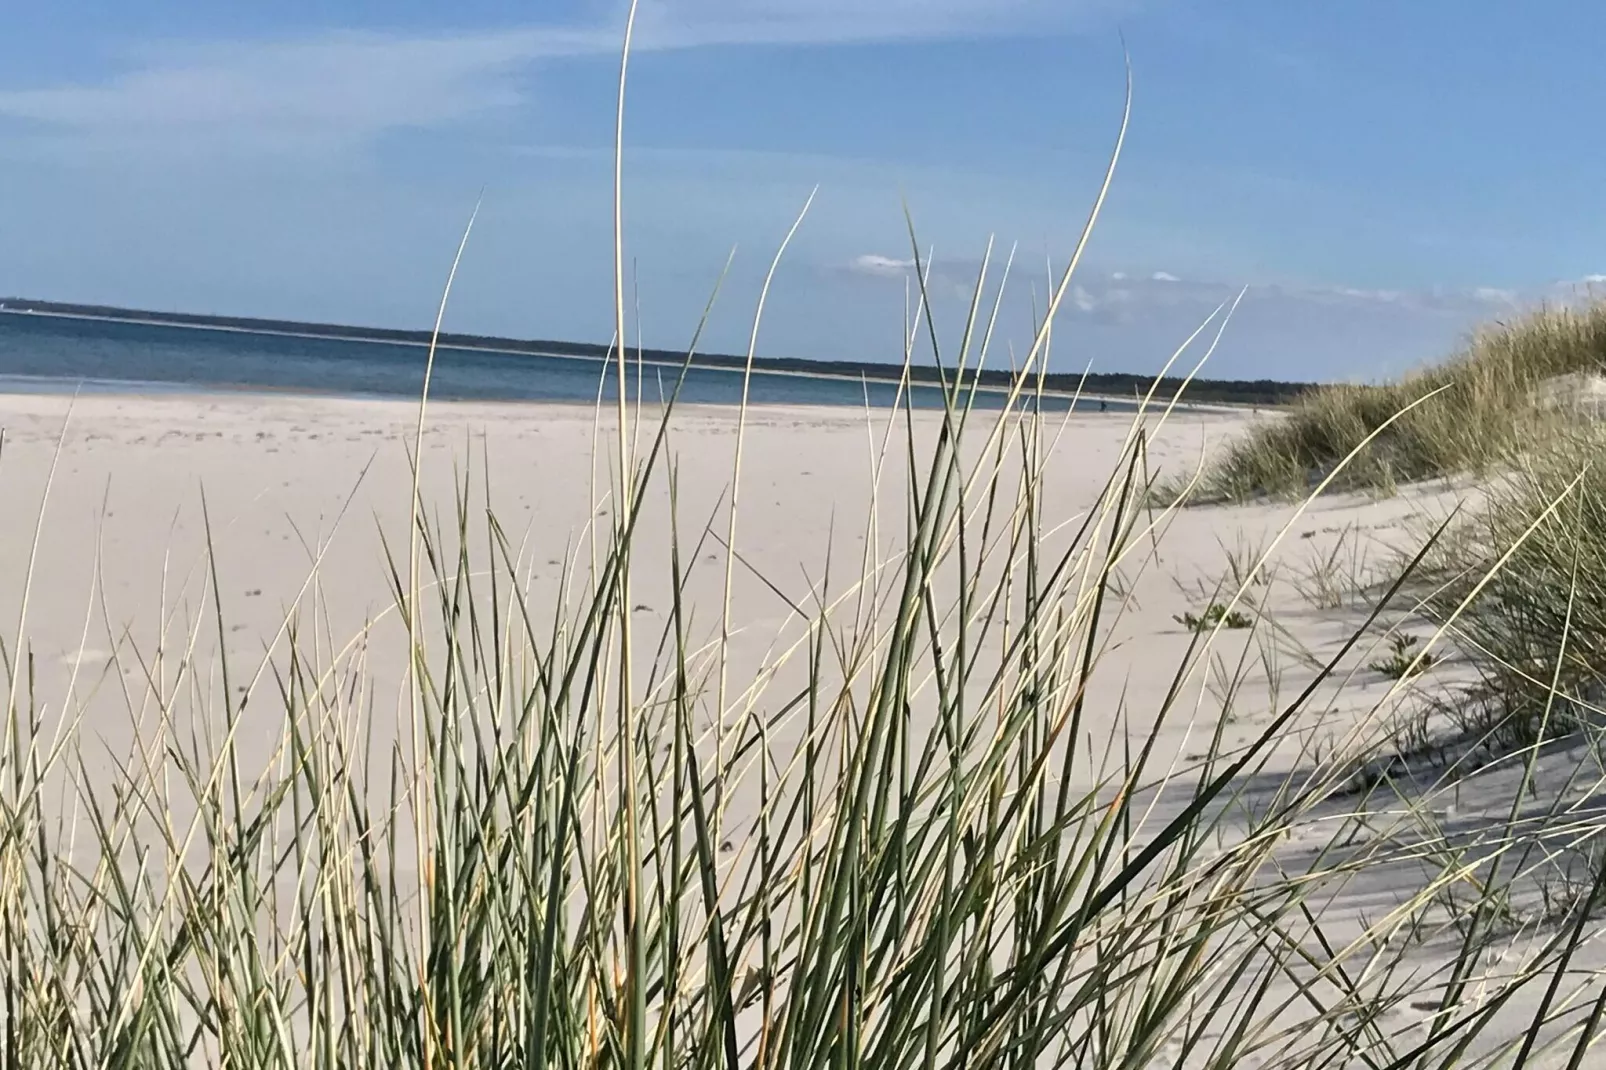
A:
(897, 844)
(941, 867)
(1518, 568)
(1466, 415)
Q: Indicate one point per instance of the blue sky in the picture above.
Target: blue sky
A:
(1382, 176)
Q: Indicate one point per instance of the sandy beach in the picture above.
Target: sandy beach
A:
(302, 494)
(300, 497)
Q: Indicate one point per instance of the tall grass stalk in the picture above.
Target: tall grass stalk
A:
(635, 970)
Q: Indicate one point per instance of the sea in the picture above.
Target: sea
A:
(42, 353)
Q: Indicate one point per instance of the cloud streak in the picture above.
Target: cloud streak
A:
(1122, 319)
(879, 266)
(341, 87)
(695, 23)
(1092, 292)
(350, 87)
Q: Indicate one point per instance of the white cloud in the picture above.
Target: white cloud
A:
(1279, 331)
(881, 266)
(1101, 295)
(1382, 296)
(1119, 297)
(1282, 331)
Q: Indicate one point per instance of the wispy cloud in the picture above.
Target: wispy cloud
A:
(341, 87)
(689, 23)
(1363, 331)
(349, 87)
(1119, 296)
(881, 266)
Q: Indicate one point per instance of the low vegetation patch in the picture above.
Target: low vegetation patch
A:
(1520, 584)
(1404, 659)
(1217, 616)
(1469, 412)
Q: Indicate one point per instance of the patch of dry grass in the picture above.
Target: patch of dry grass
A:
(1469, 412)
(1528, 561)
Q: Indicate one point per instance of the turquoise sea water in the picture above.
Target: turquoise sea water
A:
(51, 354)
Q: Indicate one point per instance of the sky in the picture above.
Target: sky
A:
(1376, 178)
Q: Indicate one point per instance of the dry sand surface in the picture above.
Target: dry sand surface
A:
(303, 495)
(303, 492)
(298, 491)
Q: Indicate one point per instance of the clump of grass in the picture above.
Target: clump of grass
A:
(1465, 415)
(1217, 615)
(1404, 659)
(1526, 561)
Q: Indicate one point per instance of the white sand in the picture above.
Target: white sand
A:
(290, 482)
(287, 479)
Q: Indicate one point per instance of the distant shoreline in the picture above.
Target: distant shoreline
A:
(1094, 387)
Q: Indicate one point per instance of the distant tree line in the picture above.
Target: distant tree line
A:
(1115, 384)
